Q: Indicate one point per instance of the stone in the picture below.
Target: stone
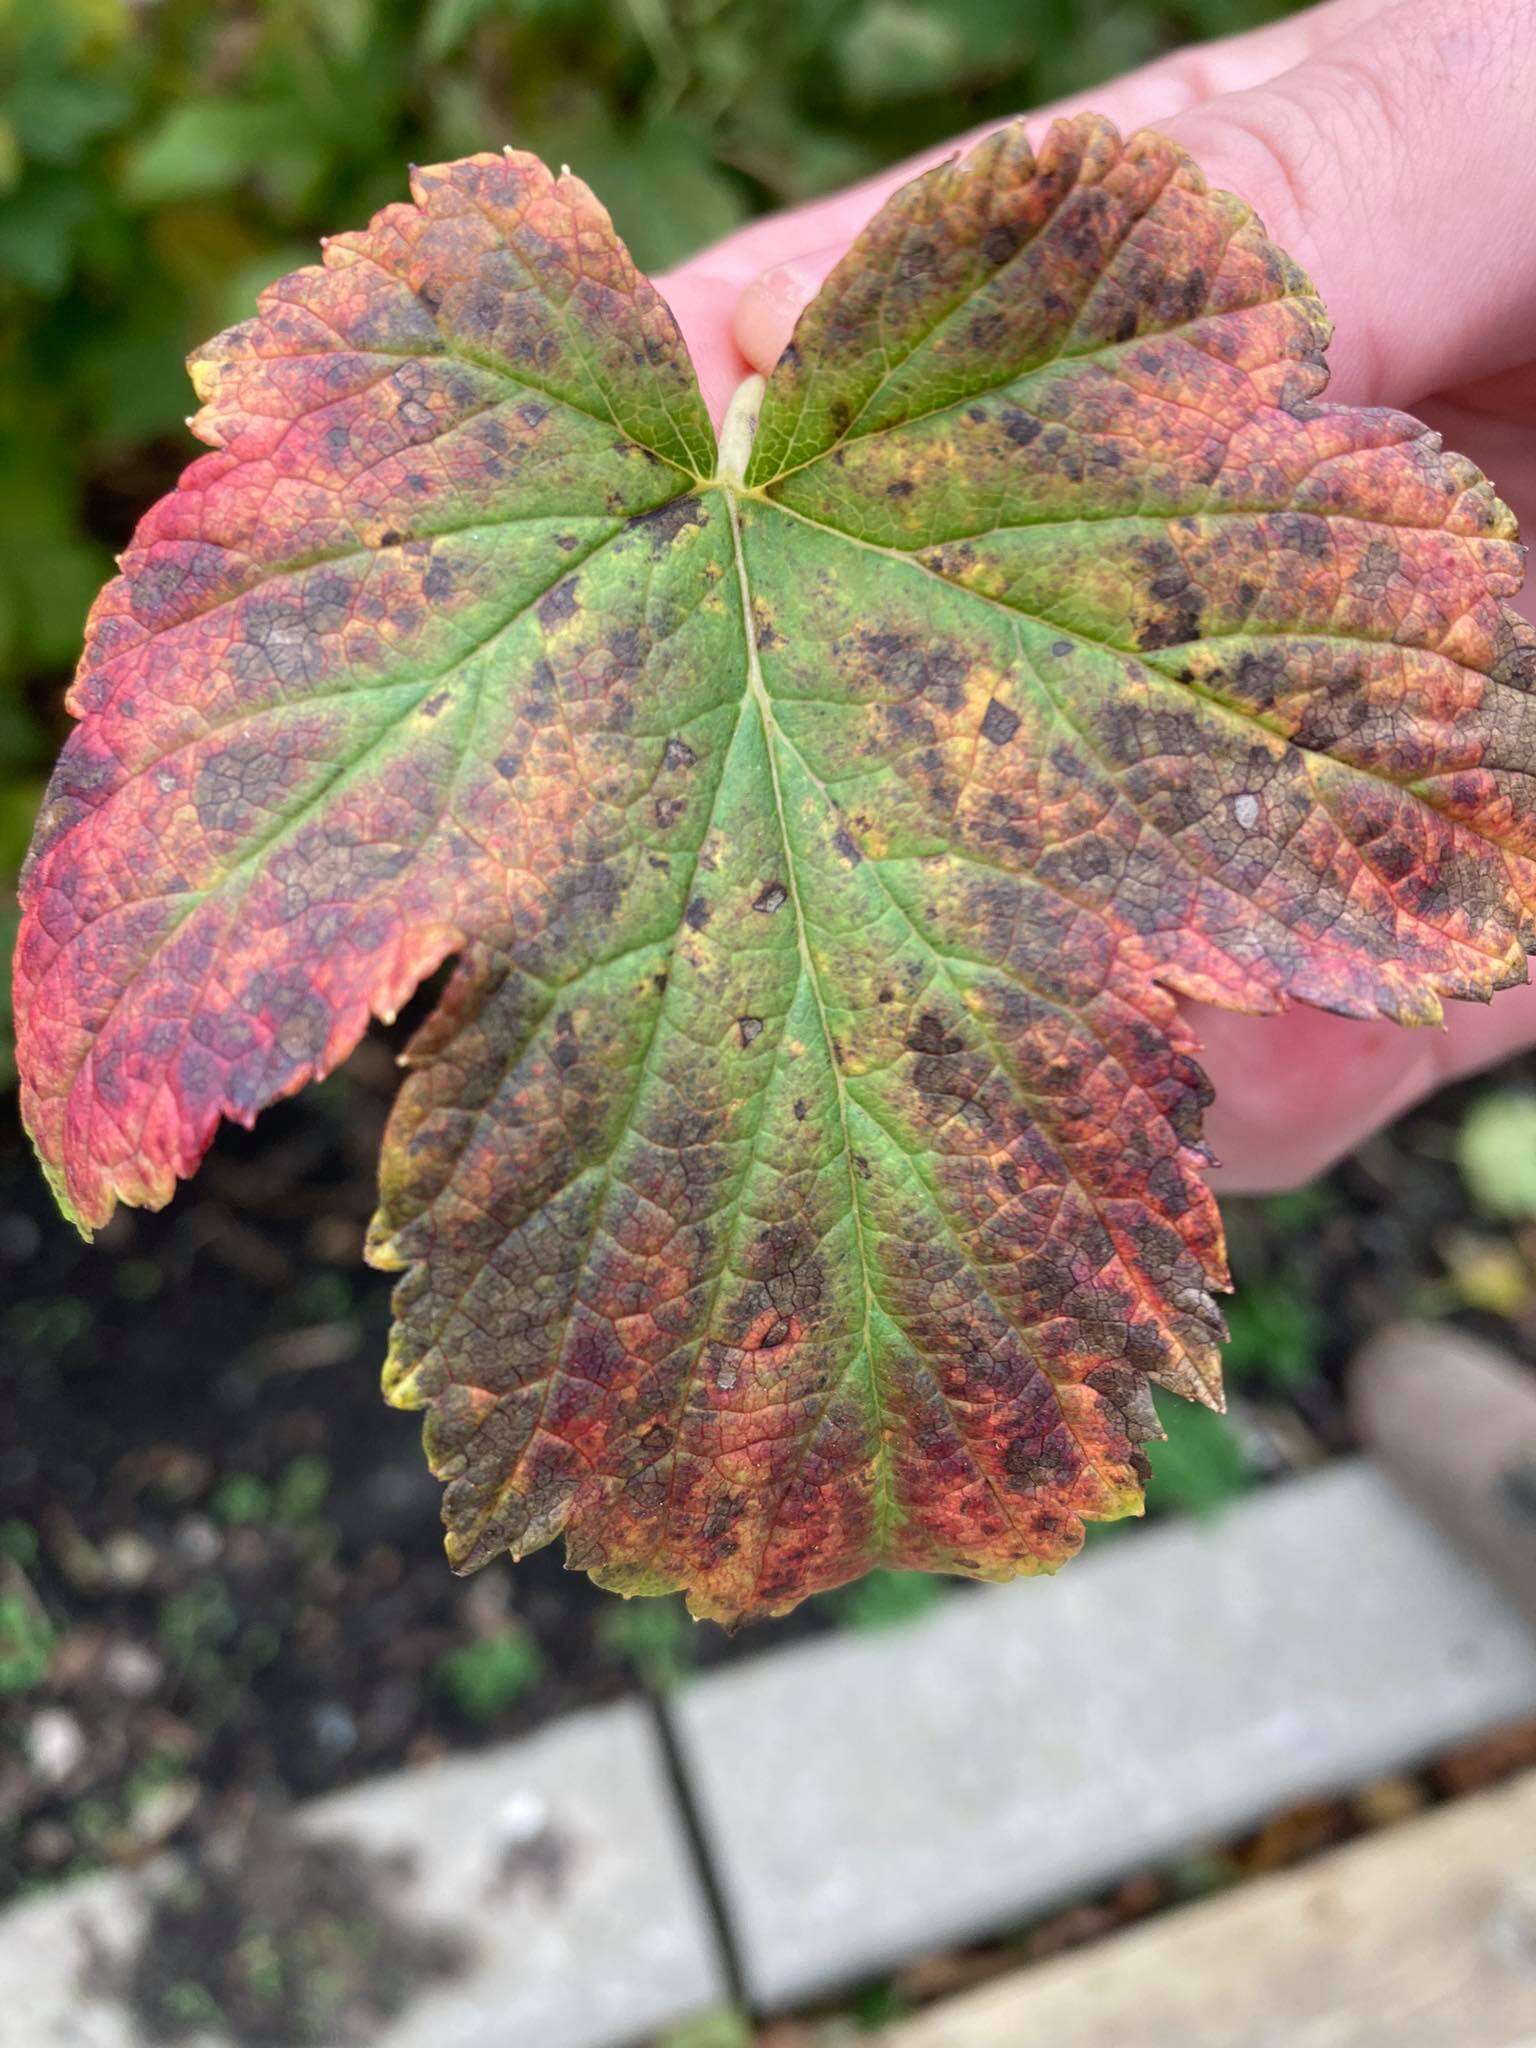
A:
(1423, 1937)
(871, 1797)
(559, 1860)
(1454, 1422)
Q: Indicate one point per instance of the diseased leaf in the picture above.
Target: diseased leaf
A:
(801, 1172)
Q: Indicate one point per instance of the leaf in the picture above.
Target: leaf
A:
(1496, 1149)
(802, 1170)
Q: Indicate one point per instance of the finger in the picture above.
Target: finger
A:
(1351, 1076)
(1296, 1092)
(1395, 168)
(780, 263)
(704, 306)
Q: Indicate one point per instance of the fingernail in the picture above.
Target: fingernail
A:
(769, 307)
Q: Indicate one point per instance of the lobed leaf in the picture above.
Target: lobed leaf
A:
(802, 1170)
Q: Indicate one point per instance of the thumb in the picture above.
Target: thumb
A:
(1395, 168)
(1390, 162)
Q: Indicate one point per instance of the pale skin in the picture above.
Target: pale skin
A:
(1386, 145)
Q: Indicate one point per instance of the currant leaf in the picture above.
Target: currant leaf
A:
(802, 1170)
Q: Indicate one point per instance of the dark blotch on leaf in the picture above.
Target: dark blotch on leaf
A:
(999, 724)
(558, 603)
(929, 1036)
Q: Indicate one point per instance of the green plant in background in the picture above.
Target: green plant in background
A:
(483, 1679)
(722, 2029)
(1200, 1462)
(1274, 1348)
(1496, 1150)
(1276, 1334)
(886, 1599)
(159, 163)
(654, 1637)
(242, 1500)
(26, 1636)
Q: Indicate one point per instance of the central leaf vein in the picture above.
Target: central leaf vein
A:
(757, 692)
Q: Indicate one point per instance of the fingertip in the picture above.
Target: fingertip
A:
(767, 310)
(704, 306)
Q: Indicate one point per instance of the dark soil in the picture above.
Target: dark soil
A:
(221, 1574)
(278, 1942)
(221, 1564)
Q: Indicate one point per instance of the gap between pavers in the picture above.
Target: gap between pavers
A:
(559, 1859)
(868, 1798)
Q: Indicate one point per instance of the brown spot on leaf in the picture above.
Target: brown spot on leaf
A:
(999, 723)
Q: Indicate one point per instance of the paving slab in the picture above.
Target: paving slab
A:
(559, 1859)
(1424, 1937)
(870, 1797)
(1453, 1420)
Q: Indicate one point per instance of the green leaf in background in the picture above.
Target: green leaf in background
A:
(1496, 1149)
(204, 148)
(1199, 1464)
(1275, 1332)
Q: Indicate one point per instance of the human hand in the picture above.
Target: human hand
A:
(1384, 143)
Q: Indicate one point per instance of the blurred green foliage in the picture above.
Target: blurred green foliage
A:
(485, 1677)
(161, 160)
(655, 1638)
(1496, 1150)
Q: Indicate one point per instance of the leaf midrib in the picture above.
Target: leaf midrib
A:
(757, 691)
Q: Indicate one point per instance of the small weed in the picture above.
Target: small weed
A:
(1201, 1463)
(654, 1637)
(198, 1619)
(47, 1328)
(1277, 1335)
(241, 1501)
(886, 1599)
(301, 1493)
(483, 1679)
(714, 2030)
(1496, 1150)
(18, 1542)
(26, 1641)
